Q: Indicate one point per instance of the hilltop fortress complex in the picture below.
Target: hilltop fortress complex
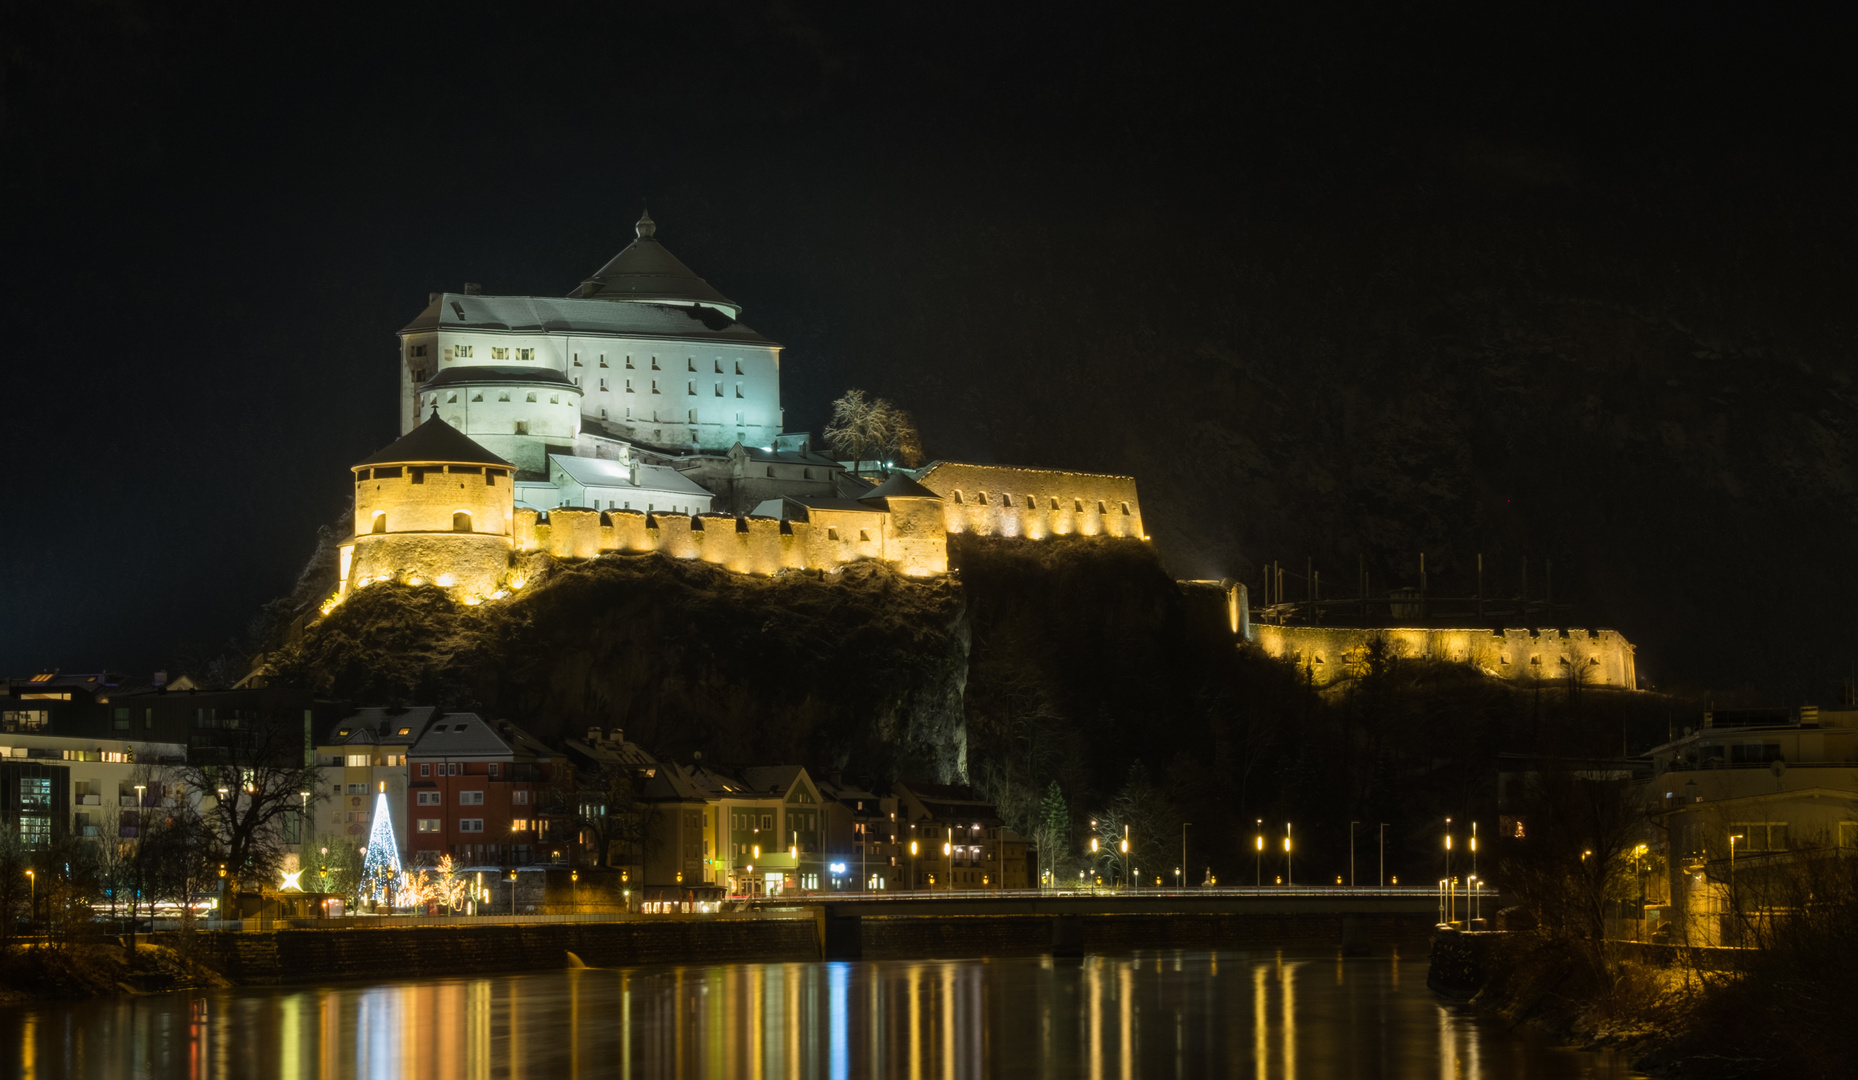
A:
(639, 414)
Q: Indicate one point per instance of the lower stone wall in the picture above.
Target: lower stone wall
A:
(1330, 653)
(947, 937)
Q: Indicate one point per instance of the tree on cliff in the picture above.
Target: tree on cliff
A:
(1052, 832)
(869, 427)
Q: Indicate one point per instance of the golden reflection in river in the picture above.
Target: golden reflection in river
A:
(1139, 1015)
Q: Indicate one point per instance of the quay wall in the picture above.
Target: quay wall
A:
(438, 949)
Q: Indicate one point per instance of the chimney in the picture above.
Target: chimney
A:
(632, 474)
(593, 736)
(589, 287)
(472, 288)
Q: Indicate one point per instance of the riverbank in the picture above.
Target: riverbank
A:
(33, 972)
(1670, 1011)
(449, 947)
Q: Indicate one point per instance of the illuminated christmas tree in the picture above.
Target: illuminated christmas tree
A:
(380, 867)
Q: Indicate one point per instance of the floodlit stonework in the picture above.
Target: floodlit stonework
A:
(1329, 654)
(621, 419)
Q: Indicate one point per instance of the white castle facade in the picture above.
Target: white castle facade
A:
(639, 414)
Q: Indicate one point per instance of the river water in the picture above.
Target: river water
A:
(1147, 1014)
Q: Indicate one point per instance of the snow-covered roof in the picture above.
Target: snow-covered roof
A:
(607, 473)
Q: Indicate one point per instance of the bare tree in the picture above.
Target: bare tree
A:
(864, 427)
(261, 787)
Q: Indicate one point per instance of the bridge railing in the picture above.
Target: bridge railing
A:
(1401, 892)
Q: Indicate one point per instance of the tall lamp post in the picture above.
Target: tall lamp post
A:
(1351, 853)
(1184, 826)
(1128, 877)
(1289, 878)
(32, 901)
(1258, 870)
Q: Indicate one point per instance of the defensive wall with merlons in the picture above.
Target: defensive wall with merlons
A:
(1329, 654)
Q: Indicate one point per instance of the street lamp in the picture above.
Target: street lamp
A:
(1184, 826)
(32, 902)
(512, 892)
(1258, 869)
(574, 877)
(1289, 878)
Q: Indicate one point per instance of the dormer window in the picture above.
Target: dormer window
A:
(503, 395)
(529, 396)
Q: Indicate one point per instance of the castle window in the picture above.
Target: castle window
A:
(503, 395)
(416, 350)
(628, 386)
(719, 389)
(738, 417)
(380, 522)
(957, 496)
(463, 352)
(738, 367)
(832, 534)
(1054, 502)
(654, 363)
(738, 389)
(628, 361)
(770, 472)
(490, 477)
(461, 522)
(864, 535)
(602, 384)
(479, 396)
(499, 353)
(690, 363)
(980, 497)
(525, 354)
(472, 469)
(522, 427)
(577, 360)
(1032, 503)
(1077, 506)
(719, 367)
(602, 359)
(554, 399)
(529, 396)
(603, 414)
(1100, 506)
(628, 412)
(654, 386)
(657, 435)
(452, 398)
(1125, 509)
(390, 472)
(806, 474)
(418, 474)
(691, 388)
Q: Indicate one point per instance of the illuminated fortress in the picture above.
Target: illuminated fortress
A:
(638, 414)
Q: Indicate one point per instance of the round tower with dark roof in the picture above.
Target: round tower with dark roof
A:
(433, 508)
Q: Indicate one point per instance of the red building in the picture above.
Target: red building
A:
(480, 791)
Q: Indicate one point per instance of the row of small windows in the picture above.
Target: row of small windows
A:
(690, 363)
(1032, 502)
(461, 522)
(502, 395)
(418, 473)
(690, 389)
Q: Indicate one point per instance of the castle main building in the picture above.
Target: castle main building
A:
(639, 414)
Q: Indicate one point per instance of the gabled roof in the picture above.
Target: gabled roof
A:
(900, 486)
(499, 373)
(801, 507)
(468, 736)
(646, 271)
(375, 726)
(607, 473)
(772, 779)
(433, 441)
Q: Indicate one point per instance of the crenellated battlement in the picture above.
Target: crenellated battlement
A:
(1330, 654)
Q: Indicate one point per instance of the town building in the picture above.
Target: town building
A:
(956, 841)
(862, 850)
(483, 792)
(1741, 794)
(365, 756)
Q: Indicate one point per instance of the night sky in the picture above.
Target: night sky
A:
(1229, 253)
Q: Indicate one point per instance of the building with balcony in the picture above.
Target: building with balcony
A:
(483, 792)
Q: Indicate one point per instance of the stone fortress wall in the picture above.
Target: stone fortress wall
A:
(1330, 654)
(1004, 500)
(911, 542)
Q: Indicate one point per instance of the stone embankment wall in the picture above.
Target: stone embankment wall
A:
(1329, 654)
(439, 949)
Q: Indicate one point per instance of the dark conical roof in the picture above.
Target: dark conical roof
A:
(899, 486)
(433, 441)
(645, 271)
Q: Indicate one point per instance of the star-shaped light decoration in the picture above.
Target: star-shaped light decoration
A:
(290, 880)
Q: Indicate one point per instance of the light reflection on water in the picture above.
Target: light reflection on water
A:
(1150, 1014)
